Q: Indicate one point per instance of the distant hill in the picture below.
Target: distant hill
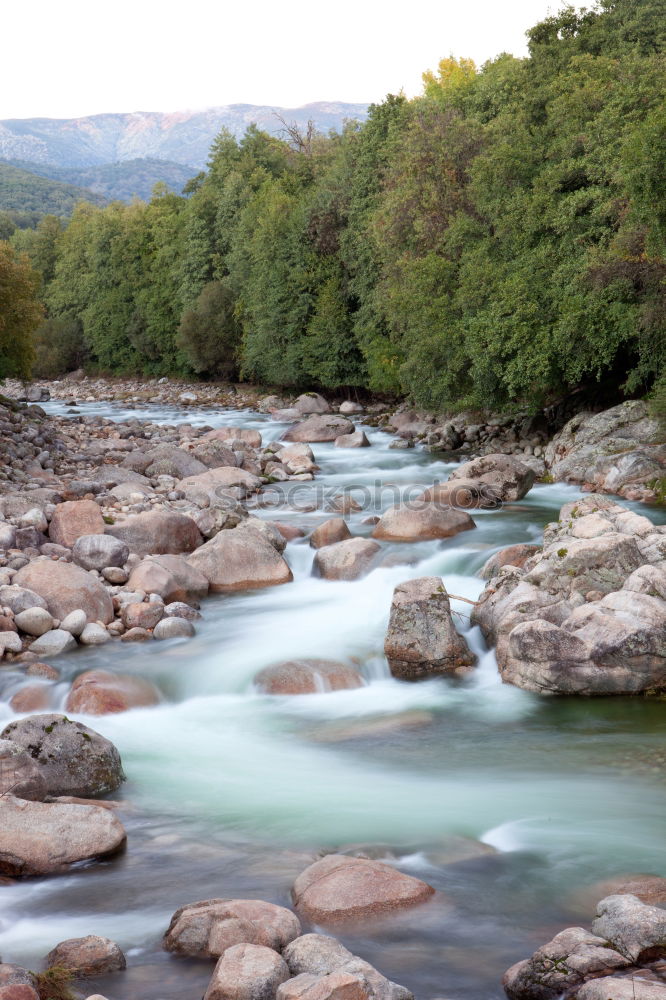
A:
(182, 137)
(117, 181)
(31, 195)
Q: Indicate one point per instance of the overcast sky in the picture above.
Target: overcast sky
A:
(67, 58)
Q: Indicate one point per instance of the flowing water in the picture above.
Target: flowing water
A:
(232, 793)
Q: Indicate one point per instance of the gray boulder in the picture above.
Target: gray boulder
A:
(99, 551)
(633, 928)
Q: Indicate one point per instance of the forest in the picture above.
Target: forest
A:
(497, 240)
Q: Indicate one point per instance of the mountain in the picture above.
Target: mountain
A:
(182, 137)
(29, 194)
(117, 181)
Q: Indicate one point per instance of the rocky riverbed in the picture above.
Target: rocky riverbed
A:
(116, 531)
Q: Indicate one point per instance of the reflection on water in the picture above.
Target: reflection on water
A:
(232, 793)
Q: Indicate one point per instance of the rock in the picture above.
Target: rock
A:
(99, 551)
(157, 532)
(37, 669)
(421, 640)
(319, 428)
(349, 407)
(633, 928)
(19, 774)
(297, 458)
(347, 560)
(307, 677)
(141, 615)
(634, 987)
(409, 423)
(34, 621)
(167, 460)
(31, 698)
(18, 991)
(66, 588)
(136, 634)
(19, 599)
(87, 956)
(39, 838)
(173, 628)
(355, 440)
(207, 928)
(320, 956)
(10, 642)
(99, 692)
(53, 643)
(94, 635)
(74, 759)
(214, 454)
(74, 518)
(289, 531)
(512, 555)
(247, 972)
(249, 437)
(174, 578)
(331, 531)
(311, 402)
(177, 609)
(7, 536)
(217, 482)
(566, 962)
(74, 622)
(509, 479)
(343, 890)
(240, 559)
(617, 448)
(336, 986)
(421, 521)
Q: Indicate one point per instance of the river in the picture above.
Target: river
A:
(231, 793)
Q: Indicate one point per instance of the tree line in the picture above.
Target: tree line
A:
(500, 238)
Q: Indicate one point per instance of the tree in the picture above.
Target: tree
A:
(20, 312)
(209, 333)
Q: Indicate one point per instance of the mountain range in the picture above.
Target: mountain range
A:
(182, 137)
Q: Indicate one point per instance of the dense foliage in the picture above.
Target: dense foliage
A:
(499, 239)
(20, 312)
(24, 192)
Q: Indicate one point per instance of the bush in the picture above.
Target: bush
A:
(59, 348)
(209, 333)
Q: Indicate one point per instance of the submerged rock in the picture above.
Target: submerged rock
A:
(307, 677)
(346, 560)
(99, 692)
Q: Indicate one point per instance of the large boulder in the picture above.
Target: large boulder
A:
(562, 965)
(509, 478)
(465, 494)
(346, 560)
(618, 448)
(99, 692)
(307, 677)
(20, 775)
(39, 838)
(217, 483)
(512, 555)
(421, 521)
(311, 402)
(214, 454)
(241, 558)
(172, 577)
(87, 956)
(319, 428)
(633, 928)
(587, 614)
(343, 890)
(207, 928)
(422, 640)
(357, 439)
(99, 551)
(66, 588)
(19, 599)
(73, 759)
(247, 972)
(74, 518)
(157, 532)
(336, 986)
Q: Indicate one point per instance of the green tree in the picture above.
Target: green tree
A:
(20, 312)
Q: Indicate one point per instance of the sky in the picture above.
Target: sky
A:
(71, 58)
